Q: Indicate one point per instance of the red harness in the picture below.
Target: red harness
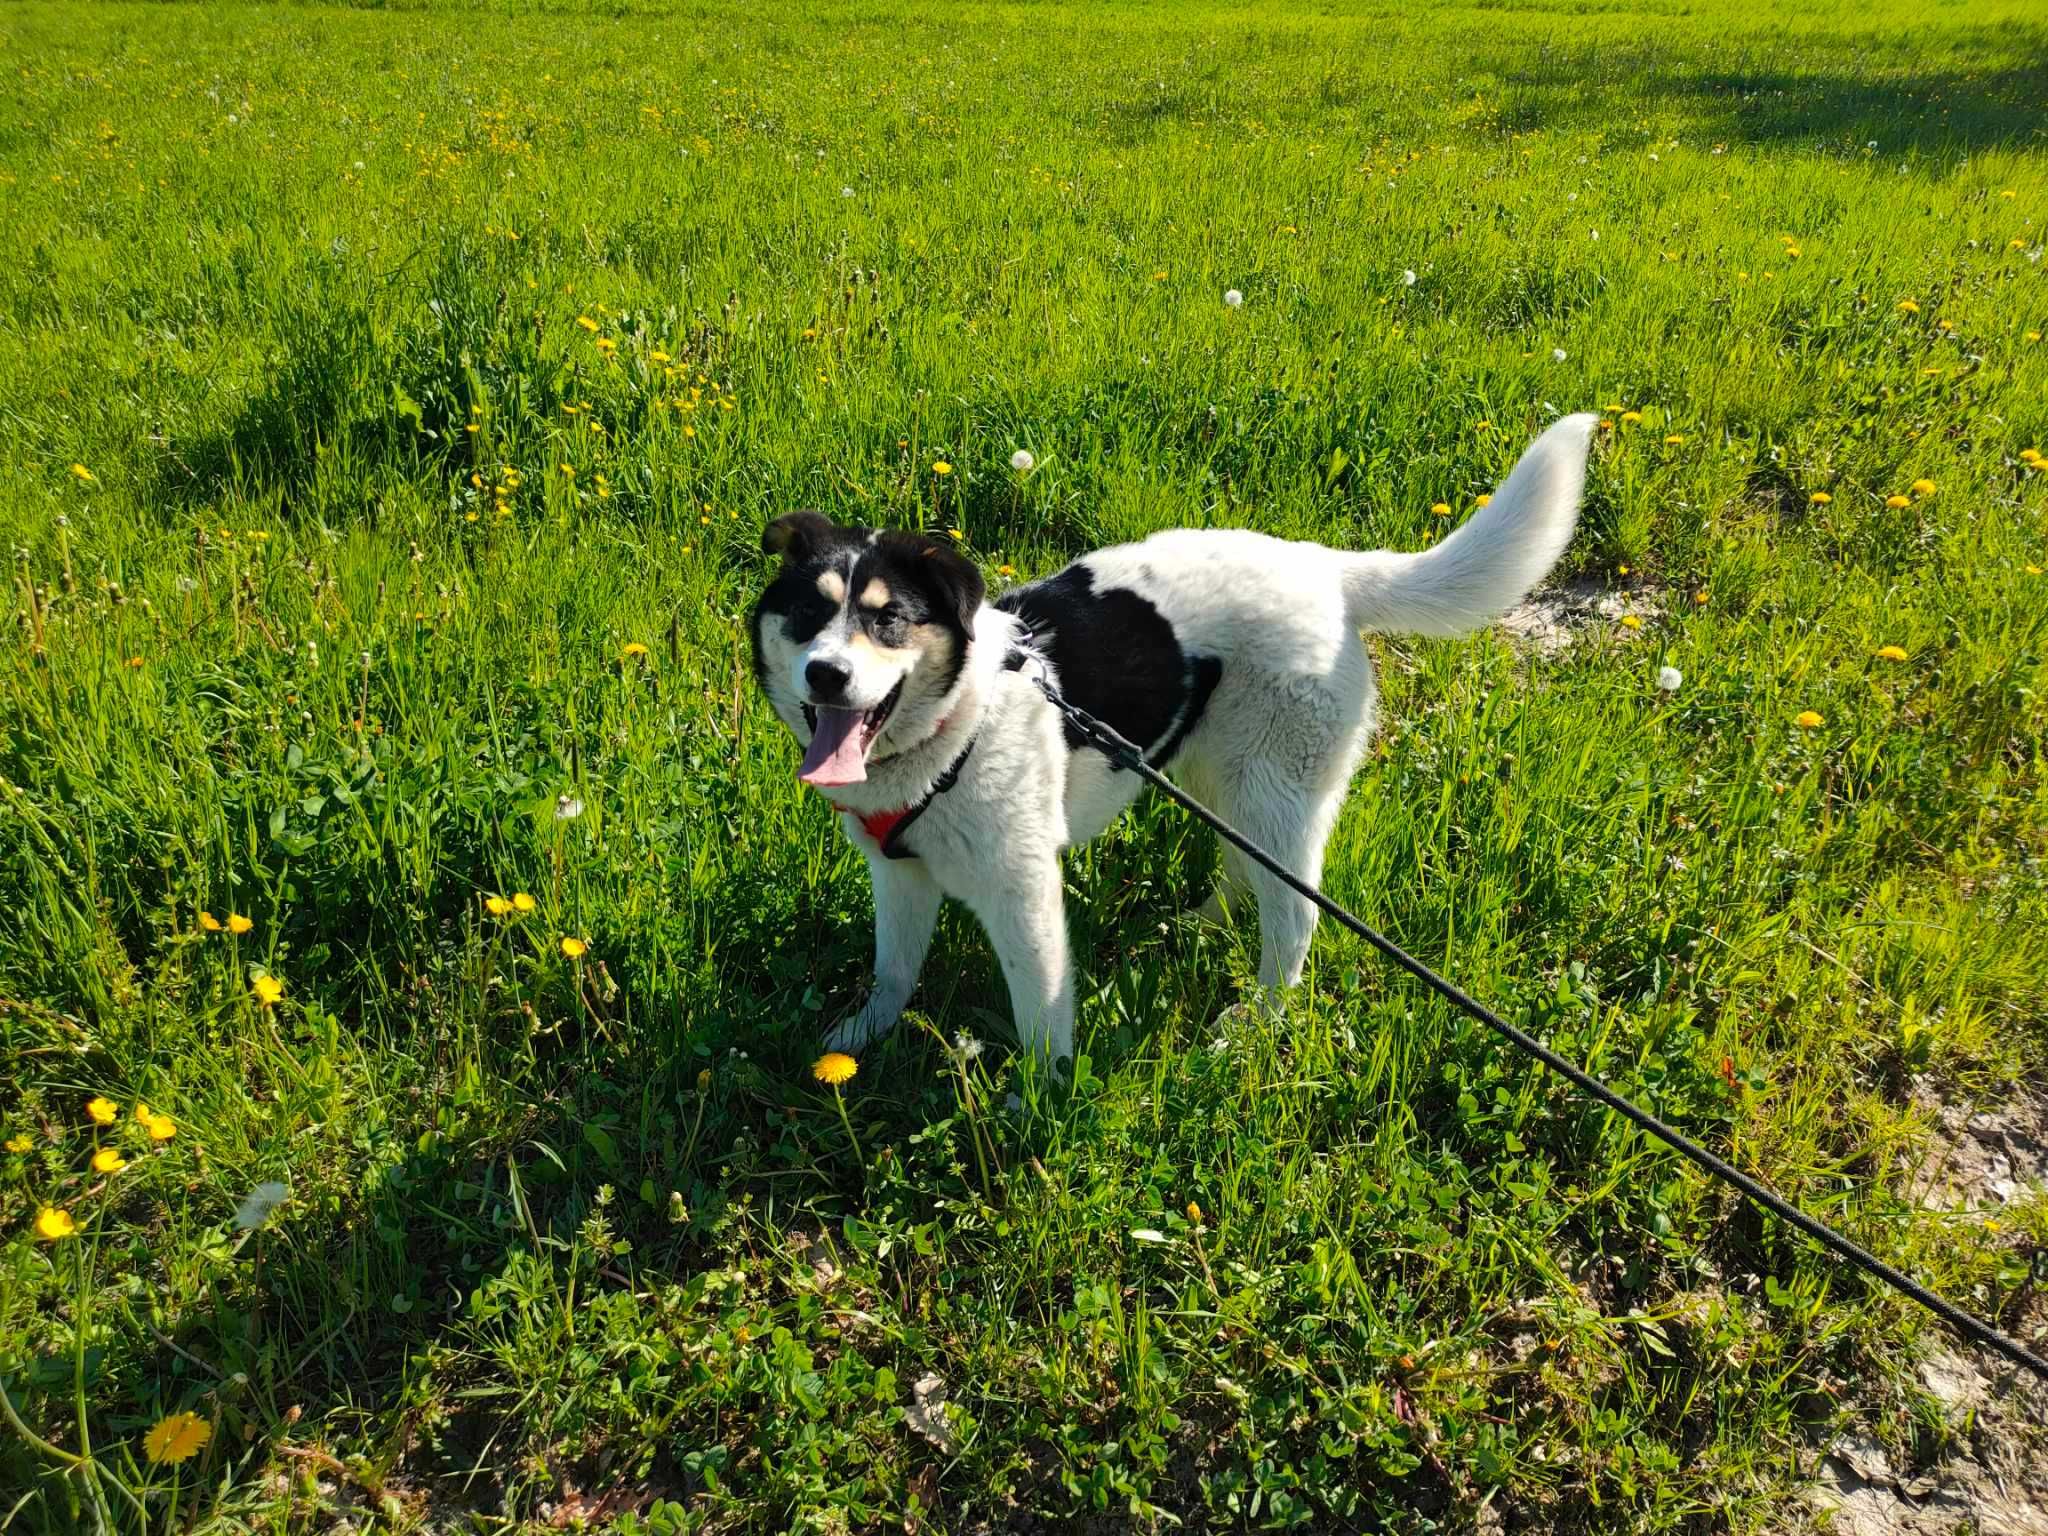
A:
(885, 827)
(878, 824)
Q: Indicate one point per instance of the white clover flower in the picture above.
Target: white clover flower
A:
(568, 807)
(1557, 354)
(1407, 277)
(1233, 298)
(1021, 461)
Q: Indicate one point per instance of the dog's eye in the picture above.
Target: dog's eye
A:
(887, 624)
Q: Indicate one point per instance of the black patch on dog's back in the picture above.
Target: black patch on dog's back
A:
(1118, 658)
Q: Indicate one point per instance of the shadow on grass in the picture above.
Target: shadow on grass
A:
(1762, 99)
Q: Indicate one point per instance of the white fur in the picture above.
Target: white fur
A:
(1273, 754)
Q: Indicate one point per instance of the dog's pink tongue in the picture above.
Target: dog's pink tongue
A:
(834, 756)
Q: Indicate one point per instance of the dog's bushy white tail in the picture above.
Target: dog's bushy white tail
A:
(1489, 564)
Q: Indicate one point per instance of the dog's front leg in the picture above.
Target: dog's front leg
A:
(906, 910)
(1026, 921)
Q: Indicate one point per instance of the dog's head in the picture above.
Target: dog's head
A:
(860, 640)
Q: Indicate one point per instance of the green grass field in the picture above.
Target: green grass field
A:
(390, 405)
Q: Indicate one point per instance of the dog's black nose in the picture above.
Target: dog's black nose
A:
(827, 680)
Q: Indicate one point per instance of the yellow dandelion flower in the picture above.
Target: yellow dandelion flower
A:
(497, 906)
(2030, 455)
(834, 1068)
(177, 1438)
(1622, 569)
(1808, 720)
(1699, 599)
(1820, 498)
(268, 990)
(1891, 652)
(1195, 1212)
(20, 1144)
(575, 949)
(107, 1160)
(522, 902)
(1908, 307)
(239, 924)
(104, 1111)
(2008, 192)
(1630, 621)
(1006, 570)
(54, 1226)
(633, 648)
(942, 468)
(587, 323)
(959, 536)
(569, 470)
(1674, 439)
(2033, 335)
(1630, 418)
(1895, 502)
(161, 1127)
(1441, 509)
(209, 922)
(2032, 569)
(1923, 487)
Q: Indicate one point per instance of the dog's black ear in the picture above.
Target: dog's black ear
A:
(953, 581)
(794, 534)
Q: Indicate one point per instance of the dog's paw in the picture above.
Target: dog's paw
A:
(859, 1031)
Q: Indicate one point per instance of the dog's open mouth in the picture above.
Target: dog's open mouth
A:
(841, 740)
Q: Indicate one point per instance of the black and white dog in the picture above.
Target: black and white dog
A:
(1231, 656)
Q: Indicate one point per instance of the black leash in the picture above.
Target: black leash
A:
(1126, 754)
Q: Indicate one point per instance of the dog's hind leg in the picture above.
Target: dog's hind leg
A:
(1232, 889)
(1026, 921)
(1290, 814)
(907, 903)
